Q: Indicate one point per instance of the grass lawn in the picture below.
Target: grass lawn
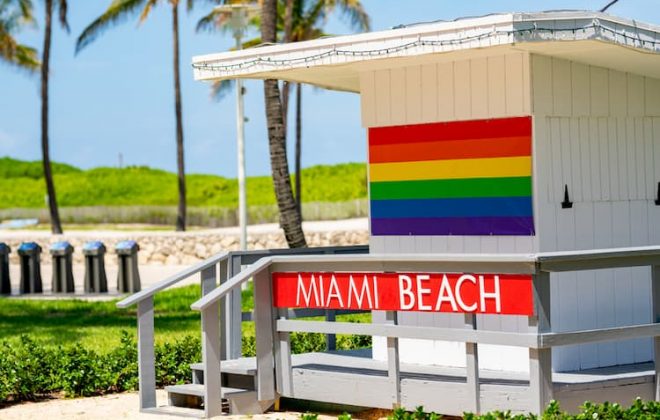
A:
(98, 325)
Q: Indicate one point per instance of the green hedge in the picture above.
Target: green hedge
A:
(30, 369)
(639, 410)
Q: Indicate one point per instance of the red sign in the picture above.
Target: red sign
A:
(509, 294)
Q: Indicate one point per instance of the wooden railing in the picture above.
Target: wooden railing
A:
(274, 367)
(213, 271)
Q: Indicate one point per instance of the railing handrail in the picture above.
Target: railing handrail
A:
(172, 280)
(369, 261)
(524, 263)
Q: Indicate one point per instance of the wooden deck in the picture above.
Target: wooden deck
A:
(354, 378)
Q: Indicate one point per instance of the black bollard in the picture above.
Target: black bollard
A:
(62, 253)
(30, 256)
(128, 276)
(5, 283)
(95, 278)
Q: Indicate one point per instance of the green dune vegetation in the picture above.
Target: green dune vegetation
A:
(139, 194)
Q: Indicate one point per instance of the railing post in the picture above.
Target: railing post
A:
(233, 332)
(146, 354)
(655, 296)
(393, 367)
(283, 373)
(540, 360)
(211, 346)
(472, 367)
(330, 339)
(263, 323)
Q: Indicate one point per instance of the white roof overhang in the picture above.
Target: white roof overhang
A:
(335, 63)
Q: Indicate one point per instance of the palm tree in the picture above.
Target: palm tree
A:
(307, 19)
(290, 219)
(298, 20)
(14, 14)
(55, 225)
(116, 12)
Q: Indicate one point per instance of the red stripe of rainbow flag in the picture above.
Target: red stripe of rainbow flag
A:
(452, 178)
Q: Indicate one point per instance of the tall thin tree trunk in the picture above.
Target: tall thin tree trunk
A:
(181, 173)
(298, 147)
(286, 86)
(55, 225)
(289, 216)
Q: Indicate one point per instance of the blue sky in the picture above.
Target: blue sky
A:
(117, 96)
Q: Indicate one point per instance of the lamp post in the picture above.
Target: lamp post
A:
(239, 14)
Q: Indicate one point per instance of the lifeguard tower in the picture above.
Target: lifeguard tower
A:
(514, 170)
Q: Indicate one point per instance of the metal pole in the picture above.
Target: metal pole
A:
(240, 140)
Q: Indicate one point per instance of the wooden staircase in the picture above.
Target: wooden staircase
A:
(238, 392)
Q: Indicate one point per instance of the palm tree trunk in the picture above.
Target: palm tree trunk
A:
(181, 173)
(288, 27)
(55, 225)
(289, 217)
(298, 147)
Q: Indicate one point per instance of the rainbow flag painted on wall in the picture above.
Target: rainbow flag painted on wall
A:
(452, 178)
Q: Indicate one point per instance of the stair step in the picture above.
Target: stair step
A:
(175, 411)
(197, 390)
(246, 366)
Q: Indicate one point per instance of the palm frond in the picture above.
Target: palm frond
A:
(118, 11)
(62, 15)
(220, 89)
(354, 11)
(215, 20)
(147, 9)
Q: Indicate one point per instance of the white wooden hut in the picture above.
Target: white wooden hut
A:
(590, 83)
(523, 141)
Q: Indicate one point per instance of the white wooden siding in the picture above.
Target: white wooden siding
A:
(597, 131)
(486, 87)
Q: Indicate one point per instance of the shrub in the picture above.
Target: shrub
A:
(30, 369)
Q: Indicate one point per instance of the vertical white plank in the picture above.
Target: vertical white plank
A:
(580, 90)
(514, 84)
(604, 148)
(618, 93)
(656, 154)
(649, 175)
(585, 160)
(430, 93)
(479, 88)
(623, 302)
(577, 143)
(556, 159)
(496, 86)
(561, 88)
(397, 103)
(594, 160)
(368, 99)
(641, 286)
(413, 100)
(605, 297)
(652, 96)
(640, 159)
(613, 163)
(655, 296)
(632, 166)
(541, 70)
(472, 368)
(445, 93)
(586, 285)
(382, 97)
(636, 93)
(462, 90)
(600, 97)
(622, 143)
(527, 83)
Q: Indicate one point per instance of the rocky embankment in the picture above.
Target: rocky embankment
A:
(171, 248)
